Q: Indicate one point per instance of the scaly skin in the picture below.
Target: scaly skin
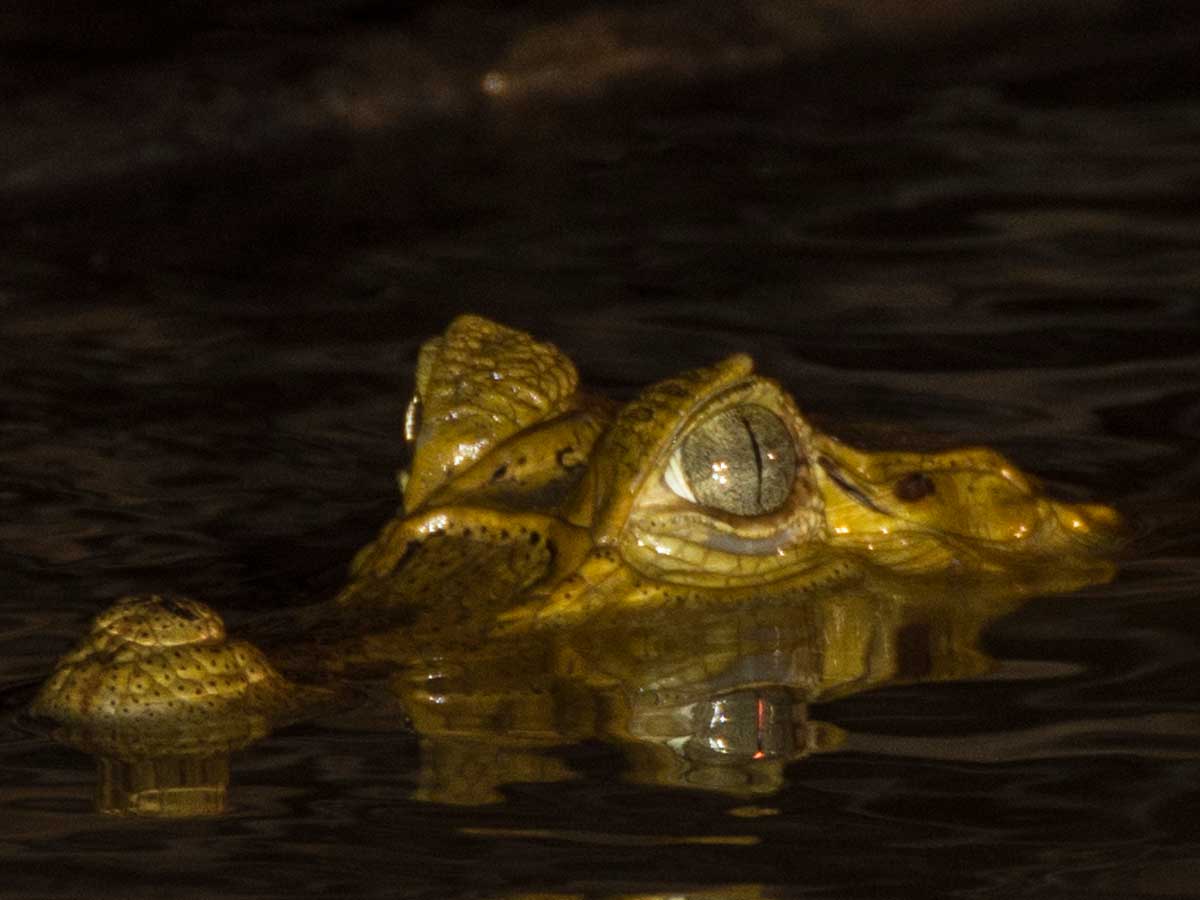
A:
(538, 517)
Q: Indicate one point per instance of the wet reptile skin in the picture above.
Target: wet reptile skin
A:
(533, 508)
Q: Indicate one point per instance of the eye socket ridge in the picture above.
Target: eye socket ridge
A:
(741, 460)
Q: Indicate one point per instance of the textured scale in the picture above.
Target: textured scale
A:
(453, 568)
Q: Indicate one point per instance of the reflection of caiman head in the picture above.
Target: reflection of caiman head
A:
(533, 508)
(711, 697)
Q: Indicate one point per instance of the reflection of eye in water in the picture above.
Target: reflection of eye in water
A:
(720, 700)
(739, 741)
(754, 723)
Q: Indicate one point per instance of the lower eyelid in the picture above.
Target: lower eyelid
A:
(769, 546)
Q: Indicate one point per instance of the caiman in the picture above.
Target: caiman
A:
(683, 572)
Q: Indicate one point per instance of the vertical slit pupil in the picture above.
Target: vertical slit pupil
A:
(758, 463)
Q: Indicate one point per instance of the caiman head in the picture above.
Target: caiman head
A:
(529, 503)
(711, 486)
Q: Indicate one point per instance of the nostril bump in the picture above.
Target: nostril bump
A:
(914, 486)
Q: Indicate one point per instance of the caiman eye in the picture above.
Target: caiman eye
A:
(740, 461)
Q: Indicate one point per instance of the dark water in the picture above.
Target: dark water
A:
(203, 383)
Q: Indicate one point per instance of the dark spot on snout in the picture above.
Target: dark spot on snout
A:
(914, 486)
(500, 472)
